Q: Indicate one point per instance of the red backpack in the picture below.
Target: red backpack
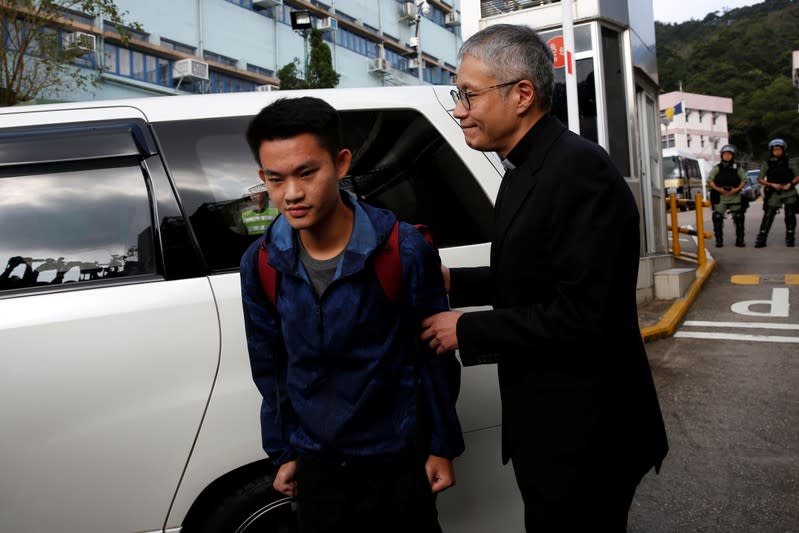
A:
(388, 266)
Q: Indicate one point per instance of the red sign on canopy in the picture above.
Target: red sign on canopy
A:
(556, 45)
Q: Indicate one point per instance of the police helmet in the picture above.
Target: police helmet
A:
(255, 189)
(728, 148)
(777, 142)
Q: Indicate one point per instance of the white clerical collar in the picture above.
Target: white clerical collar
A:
(508, 165)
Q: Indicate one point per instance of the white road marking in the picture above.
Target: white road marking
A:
(734, 337)
(778, 306)
(745, 325)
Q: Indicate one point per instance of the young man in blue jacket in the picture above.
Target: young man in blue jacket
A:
(358, 415)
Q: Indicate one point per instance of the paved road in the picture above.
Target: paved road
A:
(728, 381)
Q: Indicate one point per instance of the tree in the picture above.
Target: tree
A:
(320, 73)
(743, 54)
(33, 58)
(289, 75)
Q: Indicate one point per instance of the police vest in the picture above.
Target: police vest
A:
(256, 222)
(779, 171)
(727, 176)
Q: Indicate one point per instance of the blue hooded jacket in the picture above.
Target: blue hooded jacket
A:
(341, 375)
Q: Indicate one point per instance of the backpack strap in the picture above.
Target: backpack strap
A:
(267, 273)
(388, 265)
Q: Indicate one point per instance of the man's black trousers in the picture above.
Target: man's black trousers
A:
(364, 496)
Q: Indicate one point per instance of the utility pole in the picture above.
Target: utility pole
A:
(301, 23)
(422, 7)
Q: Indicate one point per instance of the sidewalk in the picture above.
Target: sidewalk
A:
(660, 318)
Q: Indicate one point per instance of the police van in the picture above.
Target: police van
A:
(126, 399)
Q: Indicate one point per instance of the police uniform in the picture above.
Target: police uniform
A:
(256, 221)
(778, 170)
(728, 175)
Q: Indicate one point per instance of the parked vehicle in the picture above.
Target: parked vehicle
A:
(752, 190)
(683, 177)
(127, 402)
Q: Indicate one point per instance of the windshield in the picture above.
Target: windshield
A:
(671, 168)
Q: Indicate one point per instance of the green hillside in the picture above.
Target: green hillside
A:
(744, 54)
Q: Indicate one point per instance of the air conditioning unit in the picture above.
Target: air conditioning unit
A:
(408, 12)
(80, 42)
(413, 41)
(452, 19)
(413, 64)
(266, 4)
(267, 88)
(379, 64)
(190, 69)
(327, 24)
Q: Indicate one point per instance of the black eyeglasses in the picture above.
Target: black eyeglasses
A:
(459, 95)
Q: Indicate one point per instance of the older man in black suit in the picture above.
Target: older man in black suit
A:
(581, 418)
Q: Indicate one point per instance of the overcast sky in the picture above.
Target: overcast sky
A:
(669, 11)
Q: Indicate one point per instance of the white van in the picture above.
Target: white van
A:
(126, 399)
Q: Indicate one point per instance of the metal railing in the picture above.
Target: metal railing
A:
(700, 232)
(668, 323)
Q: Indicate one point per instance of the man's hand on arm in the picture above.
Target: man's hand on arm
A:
(284, 479)
(440, 331)
(440, 473)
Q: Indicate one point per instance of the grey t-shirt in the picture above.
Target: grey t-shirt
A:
(321, 271)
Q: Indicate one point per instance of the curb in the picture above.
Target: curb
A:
(673, 316)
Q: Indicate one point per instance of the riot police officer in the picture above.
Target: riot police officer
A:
(778, 178)
(726, 181)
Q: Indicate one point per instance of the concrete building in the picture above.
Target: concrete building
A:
(694, 124)
(606, 90)
(201, 46)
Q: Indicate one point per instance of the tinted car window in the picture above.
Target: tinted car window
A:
(66, 224)
(400, 162)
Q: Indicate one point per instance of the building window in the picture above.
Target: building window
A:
(77, 16)
(667, 141)
(225, 83)
(134, 34)
(242, 3)
(178, 47)
(701, 139)
(219, 58)
(260, 70)
(137, 65)
(616, 112)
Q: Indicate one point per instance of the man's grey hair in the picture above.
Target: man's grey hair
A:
(514, 52)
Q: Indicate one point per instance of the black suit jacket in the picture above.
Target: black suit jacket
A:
(574, 377)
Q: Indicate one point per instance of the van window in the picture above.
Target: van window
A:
(400, 162)
(62, 224)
